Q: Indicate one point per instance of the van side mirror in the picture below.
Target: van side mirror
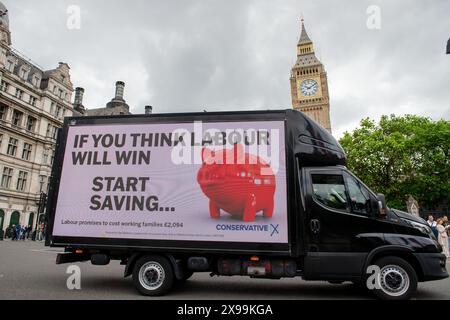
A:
(382, 208)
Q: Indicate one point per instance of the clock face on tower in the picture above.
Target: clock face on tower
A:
(309, 87)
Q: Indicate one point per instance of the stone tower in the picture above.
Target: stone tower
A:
(5, 35)
(309, 84)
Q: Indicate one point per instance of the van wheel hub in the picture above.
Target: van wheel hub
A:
(394, 280)
(151, 275)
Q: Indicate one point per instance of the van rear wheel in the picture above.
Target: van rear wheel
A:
(397, 279)
(153, 275)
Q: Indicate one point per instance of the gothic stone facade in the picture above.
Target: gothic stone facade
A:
(309, 84)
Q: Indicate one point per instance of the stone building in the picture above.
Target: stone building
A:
(33, 103)
(117, 106)
(309, 84)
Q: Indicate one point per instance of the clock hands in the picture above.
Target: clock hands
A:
(309, 90)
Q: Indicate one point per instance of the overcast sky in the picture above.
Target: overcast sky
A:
(182, 55)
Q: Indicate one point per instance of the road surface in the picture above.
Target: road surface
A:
(28, 271)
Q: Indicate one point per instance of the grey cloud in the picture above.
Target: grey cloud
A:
(190, 55)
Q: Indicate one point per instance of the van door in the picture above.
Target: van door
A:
(338, 218)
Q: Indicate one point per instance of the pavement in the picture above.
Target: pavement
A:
(28, 271)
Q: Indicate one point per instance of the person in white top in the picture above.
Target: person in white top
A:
(431, 221)
(443, 237)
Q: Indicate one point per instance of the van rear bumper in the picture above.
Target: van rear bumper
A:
(433, 266)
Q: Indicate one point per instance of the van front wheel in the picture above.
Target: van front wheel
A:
(397, 280)
(153, 275)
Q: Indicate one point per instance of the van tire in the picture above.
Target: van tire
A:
(153, 275)
(397, 279)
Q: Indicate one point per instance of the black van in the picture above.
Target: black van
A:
(338, 229)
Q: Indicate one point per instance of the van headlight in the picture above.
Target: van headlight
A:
(420, 226)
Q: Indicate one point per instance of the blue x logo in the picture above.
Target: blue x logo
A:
(274, 229)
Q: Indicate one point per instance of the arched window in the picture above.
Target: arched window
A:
(31, 219)
(15, 219)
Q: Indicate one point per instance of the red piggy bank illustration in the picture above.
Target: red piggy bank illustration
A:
(238, 183)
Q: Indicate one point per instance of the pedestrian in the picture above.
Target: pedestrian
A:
(29, 229)
(18, 232)
(447, 224)
(8, 232)
(24, 233)
(12, 232)
(432, 225)
(443, 236)
(43, 230)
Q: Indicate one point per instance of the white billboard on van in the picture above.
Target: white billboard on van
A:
(196, 181)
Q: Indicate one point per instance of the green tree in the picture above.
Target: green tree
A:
(400, 156)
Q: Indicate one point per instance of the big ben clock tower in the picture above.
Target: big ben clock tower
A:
(309, 85)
